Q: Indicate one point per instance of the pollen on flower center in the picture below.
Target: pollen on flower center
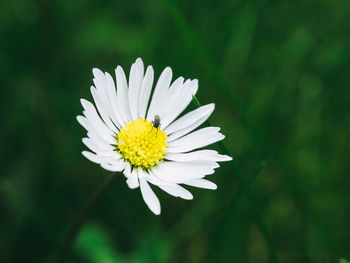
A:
(141, 144)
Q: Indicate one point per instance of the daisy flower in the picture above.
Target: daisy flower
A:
(137, 132)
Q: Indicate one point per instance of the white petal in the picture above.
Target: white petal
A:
(133, 173)
(180, 133)
(127, 170)
(92, 157)
(177, 94)
(171, 96)
(107, 94)
(149, 197)
(201, 183)
(96, 122)
(133, 181)
(101, 85)
(111, 168)
(135, 81)
(152, 178)
(115, 159)
(174, 88)
(145, 91)
(116, 116)
(190, 118)
(141, 174)
(103, 109)
(196, 139)
(159, 93)
(110, 89)
(83, 122)
(140, 66)
(177, 191)
(122, 94)
(171, 188)
(99, 142)
(223, 158)
(209, 155)
(175, 109)
(93, 147)
(178, 172)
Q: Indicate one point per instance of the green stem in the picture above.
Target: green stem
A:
(244, 183)
(75, 230)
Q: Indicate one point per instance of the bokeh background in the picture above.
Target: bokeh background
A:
(278, 72)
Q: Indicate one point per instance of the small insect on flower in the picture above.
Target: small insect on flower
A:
(119, 137)
(156, 122)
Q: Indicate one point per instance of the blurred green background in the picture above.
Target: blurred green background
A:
(278, 72)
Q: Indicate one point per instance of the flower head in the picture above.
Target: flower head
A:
(144, 137)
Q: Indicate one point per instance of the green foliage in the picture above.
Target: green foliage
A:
(95, 245)
(278, 72)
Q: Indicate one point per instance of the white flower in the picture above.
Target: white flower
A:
(122, 137)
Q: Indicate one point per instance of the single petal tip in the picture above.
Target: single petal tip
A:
(189, 197)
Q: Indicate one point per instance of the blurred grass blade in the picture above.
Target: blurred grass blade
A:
(244, 183)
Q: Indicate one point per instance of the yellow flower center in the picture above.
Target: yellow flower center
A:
(141, 144)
